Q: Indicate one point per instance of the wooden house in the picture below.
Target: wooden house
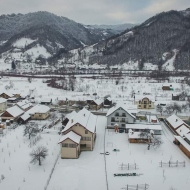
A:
(95, 104)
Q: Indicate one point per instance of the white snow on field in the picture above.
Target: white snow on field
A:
(38, 50)
(15, 163)
(169, 65)
(21, 43)
(150, 66)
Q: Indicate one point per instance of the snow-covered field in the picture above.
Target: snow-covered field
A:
(88, 172)
(15, 164)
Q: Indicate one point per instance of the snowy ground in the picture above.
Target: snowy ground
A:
(15, 164)
(88, 172)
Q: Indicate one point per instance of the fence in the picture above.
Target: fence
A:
(128, 166)
(172, 164)
(136, 187)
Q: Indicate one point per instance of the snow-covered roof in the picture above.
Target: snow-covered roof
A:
(2, 100)
(70, 115)
(114, 108)
(174, 121)
(183, 142)
(140, 97)
(71, 135)
(135, 135)
(97, 101)
(84, 118)
(38, 109)
(8, 93)
(144, 126)
(15, 111)
(182, 130)
(24, 104)
(25, 116)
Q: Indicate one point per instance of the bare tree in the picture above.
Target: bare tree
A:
(159, 109)
(31, 130)
(152, 140)
(38, 155)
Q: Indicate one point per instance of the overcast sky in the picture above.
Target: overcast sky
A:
(96, 11)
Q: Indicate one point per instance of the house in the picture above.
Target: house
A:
(12, 100)
(24, 105)
(39, 112)
(23, 118)
(3, 105)
(83, 128)
(144, 102)
(183, 143)
(120, 115)
(6, 95)
(95, 104)
(175, 97)
(70, 145)
(175, 122)
(145, 127)
(107, 102)
(46, 101)
(136, 137)
(12, 113)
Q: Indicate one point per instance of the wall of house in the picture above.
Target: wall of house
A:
(68, 152)
(145, 103)
(3, 106)
(40, 116)
(84, 144)
(186, 152)
(120, 120)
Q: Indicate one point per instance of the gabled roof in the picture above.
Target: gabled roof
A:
(24, 104)
(25, 116)
(96, 101)
(14, 111)
(175, 121)
(38, 109)
(84, 118)
(124, 107)
(72, 136)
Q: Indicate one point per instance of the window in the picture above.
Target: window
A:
(86, 131)
(122, 125)
(116, 114)
(123, 114)
(123, 120)
(150, 102)
(86, 138)
(64, 145)
(139, 102)
(112, 123)
(72, 145)
(145, 102)
(112, 119)
(139, 105)
(149, 106)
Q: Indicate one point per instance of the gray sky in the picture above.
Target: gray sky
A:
(96, 11)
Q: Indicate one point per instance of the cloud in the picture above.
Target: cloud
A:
(96, 11)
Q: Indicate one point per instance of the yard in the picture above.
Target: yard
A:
(88, 172)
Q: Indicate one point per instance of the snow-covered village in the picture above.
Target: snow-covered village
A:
(95, 106)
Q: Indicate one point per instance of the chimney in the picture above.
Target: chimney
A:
(84, 114)
(71, 120)
(176, 120)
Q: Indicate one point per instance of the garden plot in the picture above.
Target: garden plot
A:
(16, 170)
